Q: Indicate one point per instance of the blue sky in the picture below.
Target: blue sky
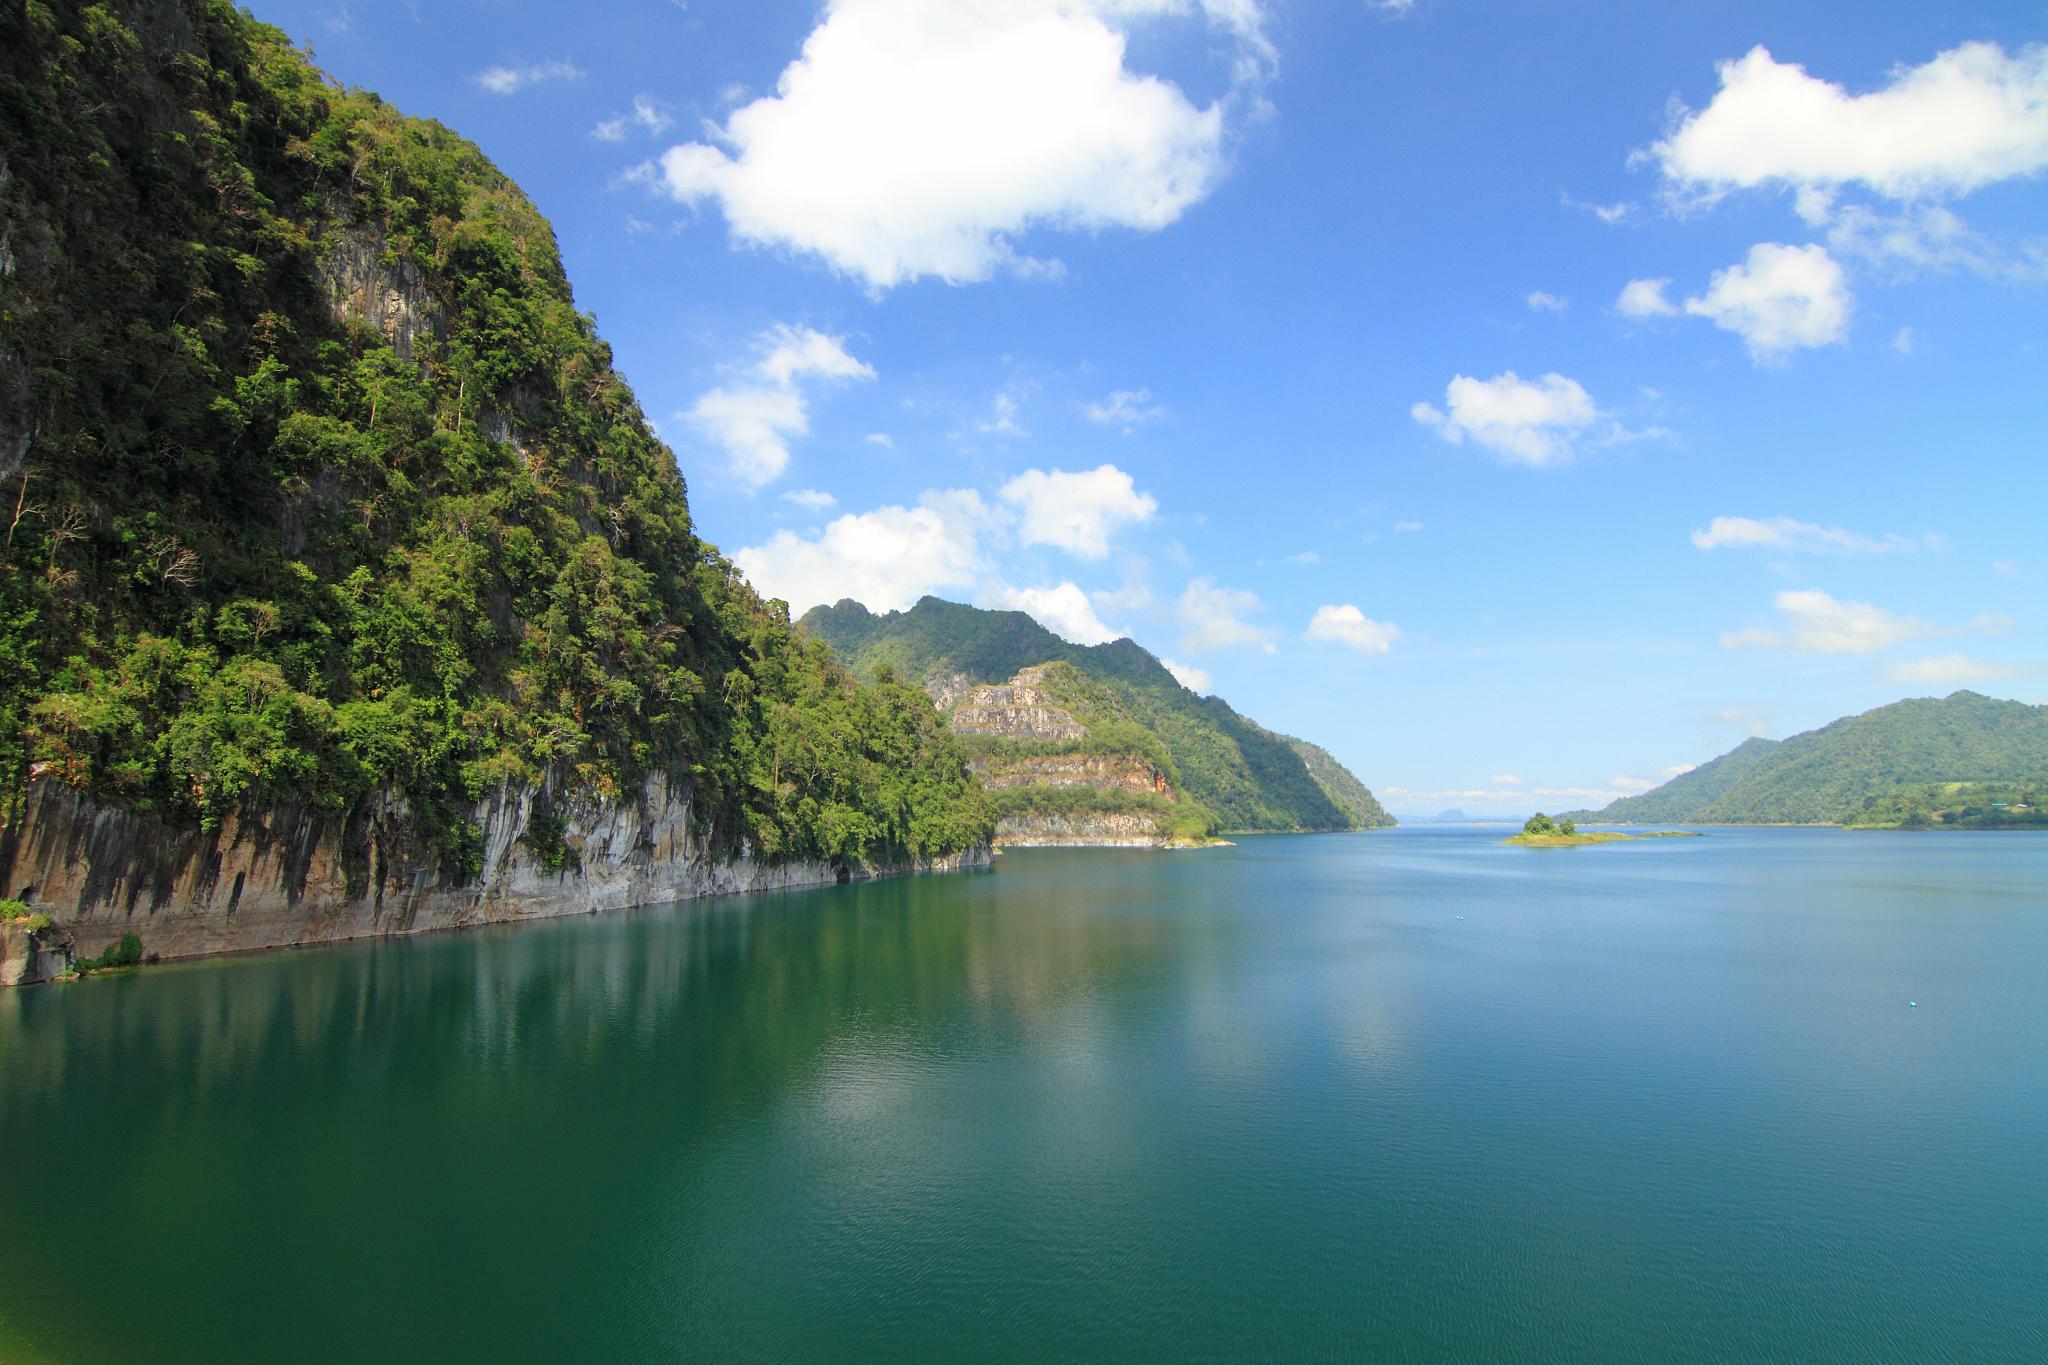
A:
(1521, 401)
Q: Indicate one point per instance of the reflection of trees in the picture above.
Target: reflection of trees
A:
(725, 1002)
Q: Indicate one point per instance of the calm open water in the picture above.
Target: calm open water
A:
(1411, 1094)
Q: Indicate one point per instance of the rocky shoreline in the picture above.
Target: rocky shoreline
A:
(280, 876)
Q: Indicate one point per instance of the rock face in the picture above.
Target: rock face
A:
(1103, 772)
(280, 875)
(1017, 709)
(368, 284)
(1094, 830)
(29, 956)
(1034, 749)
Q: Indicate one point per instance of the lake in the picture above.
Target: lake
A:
(1409, 1093)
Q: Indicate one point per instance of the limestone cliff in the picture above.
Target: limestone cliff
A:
(277, 875)
(1065, 764)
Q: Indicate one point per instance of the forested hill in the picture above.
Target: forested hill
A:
(1858, 768)
(1248, 776)
(318, 484)
(1684, 796)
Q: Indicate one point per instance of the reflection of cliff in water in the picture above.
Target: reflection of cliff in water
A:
(722, 1001)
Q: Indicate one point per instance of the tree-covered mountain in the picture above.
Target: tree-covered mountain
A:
(1680, 799)
(319, 486)
(1857, 769)
(1250, 778)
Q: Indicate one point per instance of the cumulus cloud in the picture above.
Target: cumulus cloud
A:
(1002, 418)
(1532, 423)
(887, 558)
(1347, 625)
(811, 499)
(1063, 609)
(754, 421)
(1505, 780)
(921, 138)
(1645, 299)
(648, 115)
(1783, 533)
(1077, 512)
(1780, 299)
(510, 80)
(1541, 302)
(1951, 670)
(1972, 116)
(1816, 623)
(1126, 408)
(1214, 618)
(1195, 680)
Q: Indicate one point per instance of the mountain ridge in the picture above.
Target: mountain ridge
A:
(1840, 772)
(1250, 778)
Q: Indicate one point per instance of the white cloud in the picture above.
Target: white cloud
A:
(812, 499)
(648, 115)
(1064, 610)
(755, 422)
(1904, 341)
(795, 353)
(1347, 625)
(1993, 623)
(915, 138)
(1126, 408)
(1536, 424)
(1214, 618)
(1303, 557)
(1645, 299)
(510, 80)
(1505, 780)
(1407, 527)
(1196, 680)
(1783, 533)
(1632, 784)
(1817, 623)
(1077, 512)
(1951, 670)
(1930, 240)
(880, 438)
(1972, 116)
(887, 558)
(1396, 8)
(1541, 302)
(1780, 299)
(754, 425)
(1002, 418)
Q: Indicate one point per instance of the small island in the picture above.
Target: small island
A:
(1543, 832)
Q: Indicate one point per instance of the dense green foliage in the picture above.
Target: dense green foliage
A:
(1957, 805)
(1353, 797)
(1249, 777)
(260, 549)
(1833, 775)
(1540, 824)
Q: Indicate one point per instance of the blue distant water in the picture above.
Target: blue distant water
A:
(1407, 1094)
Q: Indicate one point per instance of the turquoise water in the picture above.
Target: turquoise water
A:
(1408, 1094)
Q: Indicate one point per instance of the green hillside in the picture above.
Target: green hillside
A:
(321, 486)
(1858, 768)
(1684, 796)
(1249, 777)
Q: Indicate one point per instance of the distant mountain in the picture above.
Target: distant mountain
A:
(1246, 776)
(1853, 771)
(1452, 814)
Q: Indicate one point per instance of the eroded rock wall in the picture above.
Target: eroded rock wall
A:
(1084, 830)
(280, 875)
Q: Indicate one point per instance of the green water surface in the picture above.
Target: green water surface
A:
(1409, 1095)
